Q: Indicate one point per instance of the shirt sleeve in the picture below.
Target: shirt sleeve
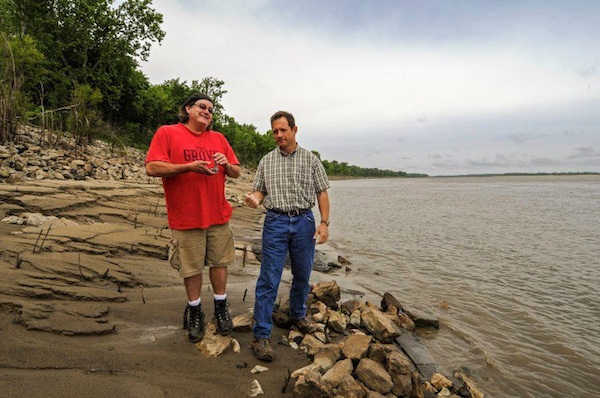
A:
(159, 147)
(320, 176)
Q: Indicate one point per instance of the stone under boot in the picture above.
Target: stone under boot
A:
(193, 321)
(224, 322)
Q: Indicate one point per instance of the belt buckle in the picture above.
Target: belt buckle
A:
(293, 213)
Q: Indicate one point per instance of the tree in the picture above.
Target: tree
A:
(88, 42)
(19, 59)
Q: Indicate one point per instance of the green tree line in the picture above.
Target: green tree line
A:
(74, 66)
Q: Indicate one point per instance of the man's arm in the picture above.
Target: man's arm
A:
(233, 171)
(166, 169)
(322, 232)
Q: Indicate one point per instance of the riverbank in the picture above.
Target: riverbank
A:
(90, 307)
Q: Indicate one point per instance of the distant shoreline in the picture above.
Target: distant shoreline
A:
(469, 175)
(521, 174)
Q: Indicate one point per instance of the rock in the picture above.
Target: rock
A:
(399, 367)
(389, 299)
(255, 389)
(336, 321)
(322, 337)
(235, 346)
(440, 381)
(213, 344)
(295, 336)
(418, 353)
(312, 385)
(355, 319)
(343, 261)
(348, 307)
(356, 346)
(243, 322)
(326, 358)
(375, 394)
(311, 345)
(318, 317)
(471, 385)
(379, 351)
(374, 376)
(259, 369)
(422, 319)
(339, 371)
(318, 307)
(379, 325)
(351, 388)
(327, 292)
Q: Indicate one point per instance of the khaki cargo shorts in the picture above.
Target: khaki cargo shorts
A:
(190, 250)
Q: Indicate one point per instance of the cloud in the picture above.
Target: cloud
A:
(521, 138)
(585, 152)
(588, 71)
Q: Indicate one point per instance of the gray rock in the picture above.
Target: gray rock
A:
(418, 354)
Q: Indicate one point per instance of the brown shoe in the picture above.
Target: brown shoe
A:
(261, 348)
(304, 326)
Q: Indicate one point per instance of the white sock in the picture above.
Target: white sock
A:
(194, 303)
(220, 296)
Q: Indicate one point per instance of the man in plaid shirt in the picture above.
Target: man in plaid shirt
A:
(288, 181)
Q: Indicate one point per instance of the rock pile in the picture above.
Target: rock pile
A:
(358, 351)
(37, 159)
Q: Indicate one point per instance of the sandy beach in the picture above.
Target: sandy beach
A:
(90, 307)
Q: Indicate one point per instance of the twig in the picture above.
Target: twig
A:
(244, 298)
(44, 240)
(142, 293)
(244, 257)
(19, 261)
(36, 241)
(79, 264)
(287, 381)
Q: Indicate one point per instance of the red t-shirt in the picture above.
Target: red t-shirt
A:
(193, 200)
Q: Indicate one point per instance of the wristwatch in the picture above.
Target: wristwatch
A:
(325, 222)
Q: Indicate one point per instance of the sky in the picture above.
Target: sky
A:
(435, 87)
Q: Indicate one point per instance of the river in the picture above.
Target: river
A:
(516, 260)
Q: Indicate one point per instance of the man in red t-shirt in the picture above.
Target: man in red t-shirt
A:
(192, 161)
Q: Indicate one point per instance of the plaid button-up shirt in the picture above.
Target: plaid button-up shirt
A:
(290, 182)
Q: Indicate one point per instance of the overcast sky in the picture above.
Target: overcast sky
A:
(435, 87)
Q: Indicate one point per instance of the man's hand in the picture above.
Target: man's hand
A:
(253, 199)
(321, 234)
(201, 167)
(221, 160)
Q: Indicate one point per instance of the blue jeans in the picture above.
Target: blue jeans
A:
(280, 235)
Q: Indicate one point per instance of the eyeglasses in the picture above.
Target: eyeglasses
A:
(205, 108)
